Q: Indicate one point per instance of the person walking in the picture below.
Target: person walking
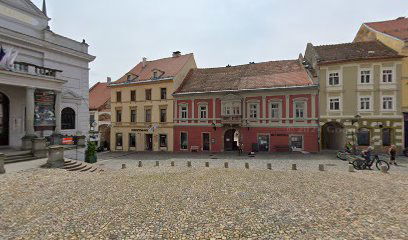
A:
(393, 153)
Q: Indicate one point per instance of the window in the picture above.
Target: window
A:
(183, 112)
(334, 79)
(275, 109)
(118, 115)
(133, 96)
(363, 137)
(365, 76)
(236, 110)
(203, 111)
(118, 96)
(155, 75)
(163, 140)
(129, 77)
(365, 103)
(148, 93)
(67, 119)
(119, 141)
(183, 141)
(386, 136)
(387, 76)
(227, 110)
(388, 103)
(91, 119)
(335, 104)
(132, 140)
(133, 115)
(231, 108)
(163, 93)
(253, 110)
(300, 109)
(163, 115)
(148, 115)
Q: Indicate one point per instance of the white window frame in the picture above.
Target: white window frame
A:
(279, 103)
(200, 110)
(361, 70)
(339, 76)
(256, 109)
(181, 111)
(329, 104)
(393, 103)
(304, 109)
(232, 106)
(370, 103)
(392, 69)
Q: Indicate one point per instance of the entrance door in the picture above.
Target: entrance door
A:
(149, 142)
(296, 142)
(206, 142)
(4, 120)
(229, 143)
(263, 143)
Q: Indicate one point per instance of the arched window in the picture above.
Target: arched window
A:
(363, 137)
(68, 119)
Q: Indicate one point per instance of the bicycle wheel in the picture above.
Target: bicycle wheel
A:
(381, 163)
(358, 164)
(342, 156)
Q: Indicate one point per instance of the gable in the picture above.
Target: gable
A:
(22, 12)
(26, 6)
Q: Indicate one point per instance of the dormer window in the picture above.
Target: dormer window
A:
(129, 78)
(155, 75)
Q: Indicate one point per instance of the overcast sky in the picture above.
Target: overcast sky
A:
(218, 32)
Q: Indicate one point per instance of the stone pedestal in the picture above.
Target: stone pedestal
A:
(27, 143)
(55, 157)
(39, 147)
(2, 158)
(81, 141)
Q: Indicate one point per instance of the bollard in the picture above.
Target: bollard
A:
(384, 169)
(207, 164)
(226, 165)
(188, 164)
(2, 158)
(294, 167)
(247, 165)
(269, 166)
(140, 164)
(172, 164)
(157, 163)
(321, 167)
(351, 168)
(123, 166)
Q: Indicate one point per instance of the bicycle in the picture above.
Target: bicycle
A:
(360, 163)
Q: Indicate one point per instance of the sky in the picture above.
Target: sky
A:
(219, 32)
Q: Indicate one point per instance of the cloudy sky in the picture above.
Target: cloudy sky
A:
(218, 32)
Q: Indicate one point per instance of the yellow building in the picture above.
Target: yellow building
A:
(142, 104)
(394, 34)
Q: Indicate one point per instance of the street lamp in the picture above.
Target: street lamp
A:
(214, 126)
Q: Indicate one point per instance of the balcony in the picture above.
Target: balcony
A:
(27, 68)
(231, 120)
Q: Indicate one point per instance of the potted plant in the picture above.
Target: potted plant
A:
(90, 153)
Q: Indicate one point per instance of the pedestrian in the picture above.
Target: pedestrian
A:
(393, 153)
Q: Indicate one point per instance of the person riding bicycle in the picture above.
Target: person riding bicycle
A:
(366, 154)
(349, 147)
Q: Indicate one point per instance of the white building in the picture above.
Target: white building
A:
(45, 90)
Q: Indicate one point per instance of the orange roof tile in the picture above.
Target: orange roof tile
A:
(397, 28)
(99, 94)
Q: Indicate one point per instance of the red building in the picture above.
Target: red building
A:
(266, 107)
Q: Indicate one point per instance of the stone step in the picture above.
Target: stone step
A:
(87, 169)
(72, 166)
(82, 166)
(70, 163)
(12, 157)
(22, 159)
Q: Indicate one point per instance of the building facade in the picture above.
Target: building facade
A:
(262, 107)
(394, 34)
(100, 114)
(43, 77)
(359, 95)
(142, 104)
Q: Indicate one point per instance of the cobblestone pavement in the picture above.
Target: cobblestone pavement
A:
(200, 203)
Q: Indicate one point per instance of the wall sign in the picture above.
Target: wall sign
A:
(140, 130)
(44, 108)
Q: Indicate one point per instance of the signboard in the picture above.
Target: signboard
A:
(68, 141)
(44, 110)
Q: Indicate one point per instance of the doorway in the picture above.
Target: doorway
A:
(4, 120)
(231, 140)
(263, 143)
(206, 142)
(333, 136)
(149, 142)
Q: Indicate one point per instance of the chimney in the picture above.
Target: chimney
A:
(176, 54)
(109, 80)
(144, 62)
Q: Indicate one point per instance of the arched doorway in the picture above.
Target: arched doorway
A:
(231, 140)
(333, 136)
(4, 120)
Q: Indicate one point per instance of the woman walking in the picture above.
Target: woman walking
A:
(393, 153)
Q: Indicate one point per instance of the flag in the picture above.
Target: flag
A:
(12, 58)
(7, 55)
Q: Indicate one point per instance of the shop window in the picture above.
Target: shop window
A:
(363, 137)
(119, 141)
(132, 140)
(184, 141)
(386, 136)
(68, 119)
(163, 140)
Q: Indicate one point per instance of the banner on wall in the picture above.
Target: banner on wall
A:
(44, 111)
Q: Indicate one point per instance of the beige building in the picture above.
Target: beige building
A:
(360, 94)
(142, 104)
(394, 34)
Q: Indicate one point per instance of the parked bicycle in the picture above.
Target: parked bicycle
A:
(360, 163)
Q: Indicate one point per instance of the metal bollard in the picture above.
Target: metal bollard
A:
(188, 164)
(226, 165)
(269, 166)
(351, 168)
(207, 164)
(172, 164)
(157, 163)
(247, 165)
(294, 167)
(123, 166)
(140, 164)
(384, 169)
(321, 167)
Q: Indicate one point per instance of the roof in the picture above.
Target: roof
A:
(99, 94)
(274, 74)
(167, 67)
(354, 51)
(397, 28)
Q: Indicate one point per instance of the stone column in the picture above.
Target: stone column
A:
(29, 120)
(56, 136)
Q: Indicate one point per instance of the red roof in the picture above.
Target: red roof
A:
(274, 74)
(166, 67)
(397, 28)
(99, 94)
